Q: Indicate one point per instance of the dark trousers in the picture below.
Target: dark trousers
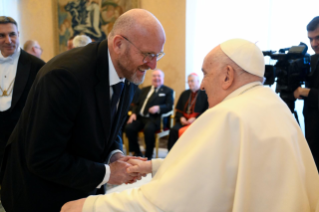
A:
(149, 127)
(173, 135)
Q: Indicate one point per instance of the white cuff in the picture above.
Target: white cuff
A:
(106, 176)
(112, 153)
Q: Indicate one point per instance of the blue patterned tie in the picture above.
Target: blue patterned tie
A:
(117, 91)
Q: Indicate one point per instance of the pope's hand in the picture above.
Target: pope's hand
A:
(139, 166)
(73, 206)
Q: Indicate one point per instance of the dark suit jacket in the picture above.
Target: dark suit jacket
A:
(28, 67)
(311, 109)
(164, 98)
(59, 147)
(201, 104)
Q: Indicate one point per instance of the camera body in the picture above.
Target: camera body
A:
(291, 70)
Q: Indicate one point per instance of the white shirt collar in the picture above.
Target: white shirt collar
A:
(10, 58)
(242, 89)
(113, 76)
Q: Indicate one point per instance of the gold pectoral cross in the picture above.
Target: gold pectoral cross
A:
(4, 93)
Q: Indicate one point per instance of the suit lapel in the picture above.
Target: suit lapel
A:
(154, 95)
(23, 71)
(102, 90)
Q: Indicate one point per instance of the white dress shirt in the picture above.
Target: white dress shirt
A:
(114, 79)
(8, 71)
(150, 93)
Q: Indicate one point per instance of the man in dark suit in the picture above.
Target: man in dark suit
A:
(70, 126)
(153, 102)
(310, 93)
(191, 104)
(17, 73)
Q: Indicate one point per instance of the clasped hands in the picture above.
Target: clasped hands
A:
(128, 169)
(124, 169)
(185, 121)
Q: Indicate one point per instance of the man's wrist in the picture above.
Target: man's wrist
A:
(116, 156)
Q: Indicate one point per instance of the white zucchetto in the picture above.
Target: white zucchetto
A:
(246, 55)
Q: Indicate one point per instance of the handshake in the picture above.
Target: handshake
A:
(124, 169)
(128, 169)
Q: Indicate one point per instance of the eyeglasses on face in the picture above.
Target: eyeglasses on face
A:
(37, 47)
(148, 57)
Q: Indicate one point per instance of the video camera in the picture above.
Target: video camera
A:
(291, 71)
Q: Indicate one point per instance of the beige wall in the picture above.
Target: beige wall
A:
(172, 16)
(39, 22)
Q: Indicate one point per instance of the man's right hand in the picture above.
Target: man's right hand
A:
(132, 118)
(118, 173)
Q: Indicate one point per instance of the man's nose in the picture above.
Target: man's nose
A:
(152, 63)
(7, 39)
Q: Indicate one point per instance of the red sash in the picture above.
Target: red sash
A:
(187, 116)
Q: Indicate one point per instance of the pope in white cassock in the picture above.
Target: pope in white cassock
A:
(244, 154)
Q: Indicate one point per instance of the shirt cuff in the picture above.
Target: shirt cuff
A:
(106, 176)
(107, 169)
(112, 153)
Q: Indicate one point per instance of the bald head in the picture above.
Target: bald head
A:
(135, 43)
(193, 82)
(138, 21)
(157, 78)
(33, 47)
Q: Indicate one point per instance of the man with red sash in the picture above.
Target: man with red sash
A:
(191, 104)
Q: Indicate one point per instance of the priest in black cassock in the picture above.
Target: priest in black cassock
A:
(191, 104)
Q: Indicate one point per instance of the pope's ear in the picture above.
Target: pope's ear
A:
(228, 77)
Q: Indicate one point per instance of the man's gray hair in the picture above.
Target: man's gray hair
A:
(81, 40)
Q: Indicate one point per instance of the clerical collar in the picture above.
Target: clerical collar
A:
(113, 76)
(242, 89)
(194, 92)
(10, 58)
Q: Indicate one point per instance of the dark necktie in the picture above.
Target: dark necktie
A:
(117, 91)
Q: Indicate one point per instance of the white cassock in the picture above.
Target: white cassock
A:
(246, 154)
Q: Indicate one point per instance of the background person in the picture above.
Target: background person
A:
(154, 101)
(17, 73)
(191, 104)
(70, 126)
(69, 44)
(33, 47)
(310, 93)
(250, 154)
(81, 40)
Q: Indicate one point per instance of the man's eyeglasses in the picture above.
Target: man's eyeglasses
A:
(148, 57)
(37, 47)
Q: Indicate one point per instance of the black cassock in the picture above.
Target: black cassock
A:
(187, 104)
